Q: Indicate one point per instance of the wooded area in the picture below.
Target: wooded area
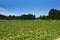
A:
(53, 14)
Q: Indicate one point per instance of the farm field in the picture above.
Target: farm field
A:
(29, 30)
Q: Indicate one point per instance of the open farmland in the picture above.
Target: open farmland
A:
(29, 30)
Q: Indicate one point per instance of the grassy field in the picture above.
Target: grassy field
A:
(29, 30)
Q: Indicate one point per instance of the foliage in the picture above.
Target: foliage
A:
(29, 16)
(24, 17)
(53, 14)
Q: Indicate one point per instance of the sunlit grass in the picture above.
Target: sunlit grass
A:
(29, 30)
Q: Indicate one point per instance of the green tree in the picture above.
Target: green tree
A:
(54, 14)
(2, 16)
(28, 16)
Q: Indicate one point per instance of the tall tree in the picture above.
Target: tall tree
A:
(54, 14)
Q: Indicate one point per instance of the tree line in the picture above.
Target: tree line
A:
(53, 14)
(13, 17)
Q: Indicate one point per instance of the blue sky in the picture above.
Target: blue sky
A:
(36, 7)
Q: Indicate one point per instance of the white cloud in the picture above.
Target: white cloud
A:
(5, 12)
(2, 9)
